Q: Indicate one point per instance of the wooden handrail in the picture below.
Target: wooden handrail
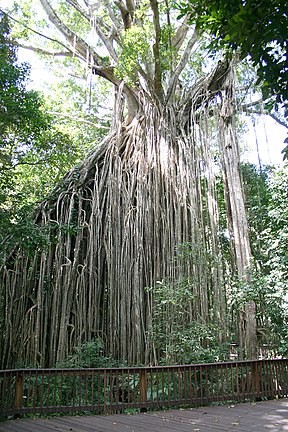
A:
(110, 390)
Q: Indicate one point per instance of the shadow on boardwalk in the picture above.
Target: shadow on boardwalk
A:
(261, 416)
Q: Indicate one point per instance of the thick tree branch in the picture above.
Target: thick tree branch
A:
(272, 115)
(252, 104)
(46, 52)
(180, 35)
(105, 39)
(77, 43)
(248, 108)
(205, 89)
(218, 77)
(278, 120)
(126, 17)
(181, 65)
(79, 9)
(85, 51)
(110, 30)
(116, 24)
(156, 50)
(131, 7)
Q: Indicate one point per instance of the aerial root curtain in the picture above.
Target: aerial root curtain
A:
(114, 226)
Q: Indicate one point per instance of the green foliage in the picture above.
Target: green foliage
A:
(34, 154)
(266, 203)
(258, 29)
(270, 299)
(257, 195)
(27, 134)
(90, 355)
(80, 103)
(167, 51)
(18, 227)
(135, 52)
(275, 235)
(22, 121)
(177, 336)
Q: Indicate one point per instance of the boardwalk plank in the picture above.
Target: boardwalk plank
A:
(270, 416)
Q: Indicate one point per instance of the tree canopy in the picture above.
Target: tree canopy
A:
(34, 153)
(22, 121)
(27, 132)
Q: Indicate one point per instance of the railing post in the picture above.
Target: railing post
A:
(143, 390)
(255, 380)
(19, 388)
(105, 391)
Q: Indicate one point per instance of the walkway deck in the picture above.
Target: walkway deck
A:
(269, 416)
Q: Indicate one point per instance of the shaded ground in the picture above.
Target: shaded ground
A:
(261, 416)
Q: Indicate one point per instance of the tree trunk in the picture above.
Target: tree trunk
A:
(115, 226)
(236, 215)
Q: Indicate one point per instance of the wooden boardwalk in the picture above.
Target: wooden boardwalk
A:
(267, 416)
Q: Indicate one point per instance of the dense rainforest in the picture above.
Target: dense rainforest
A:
(130, 230)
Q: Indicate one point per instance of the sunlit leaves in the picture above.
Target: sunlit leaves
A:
(136, 52)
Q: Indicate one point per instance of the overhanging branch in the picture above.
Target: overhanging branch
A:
(46, 52)
(85, 51)
(96, 23)
(76, 42)
(78, 120)
(35, 31)
(113, 18)
(272, 115)
(248, 108)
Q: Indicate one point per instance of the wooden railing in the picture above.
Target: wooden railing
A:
(114, 390)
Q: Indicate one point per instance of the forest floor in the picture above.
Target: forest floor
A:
(249, 417)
